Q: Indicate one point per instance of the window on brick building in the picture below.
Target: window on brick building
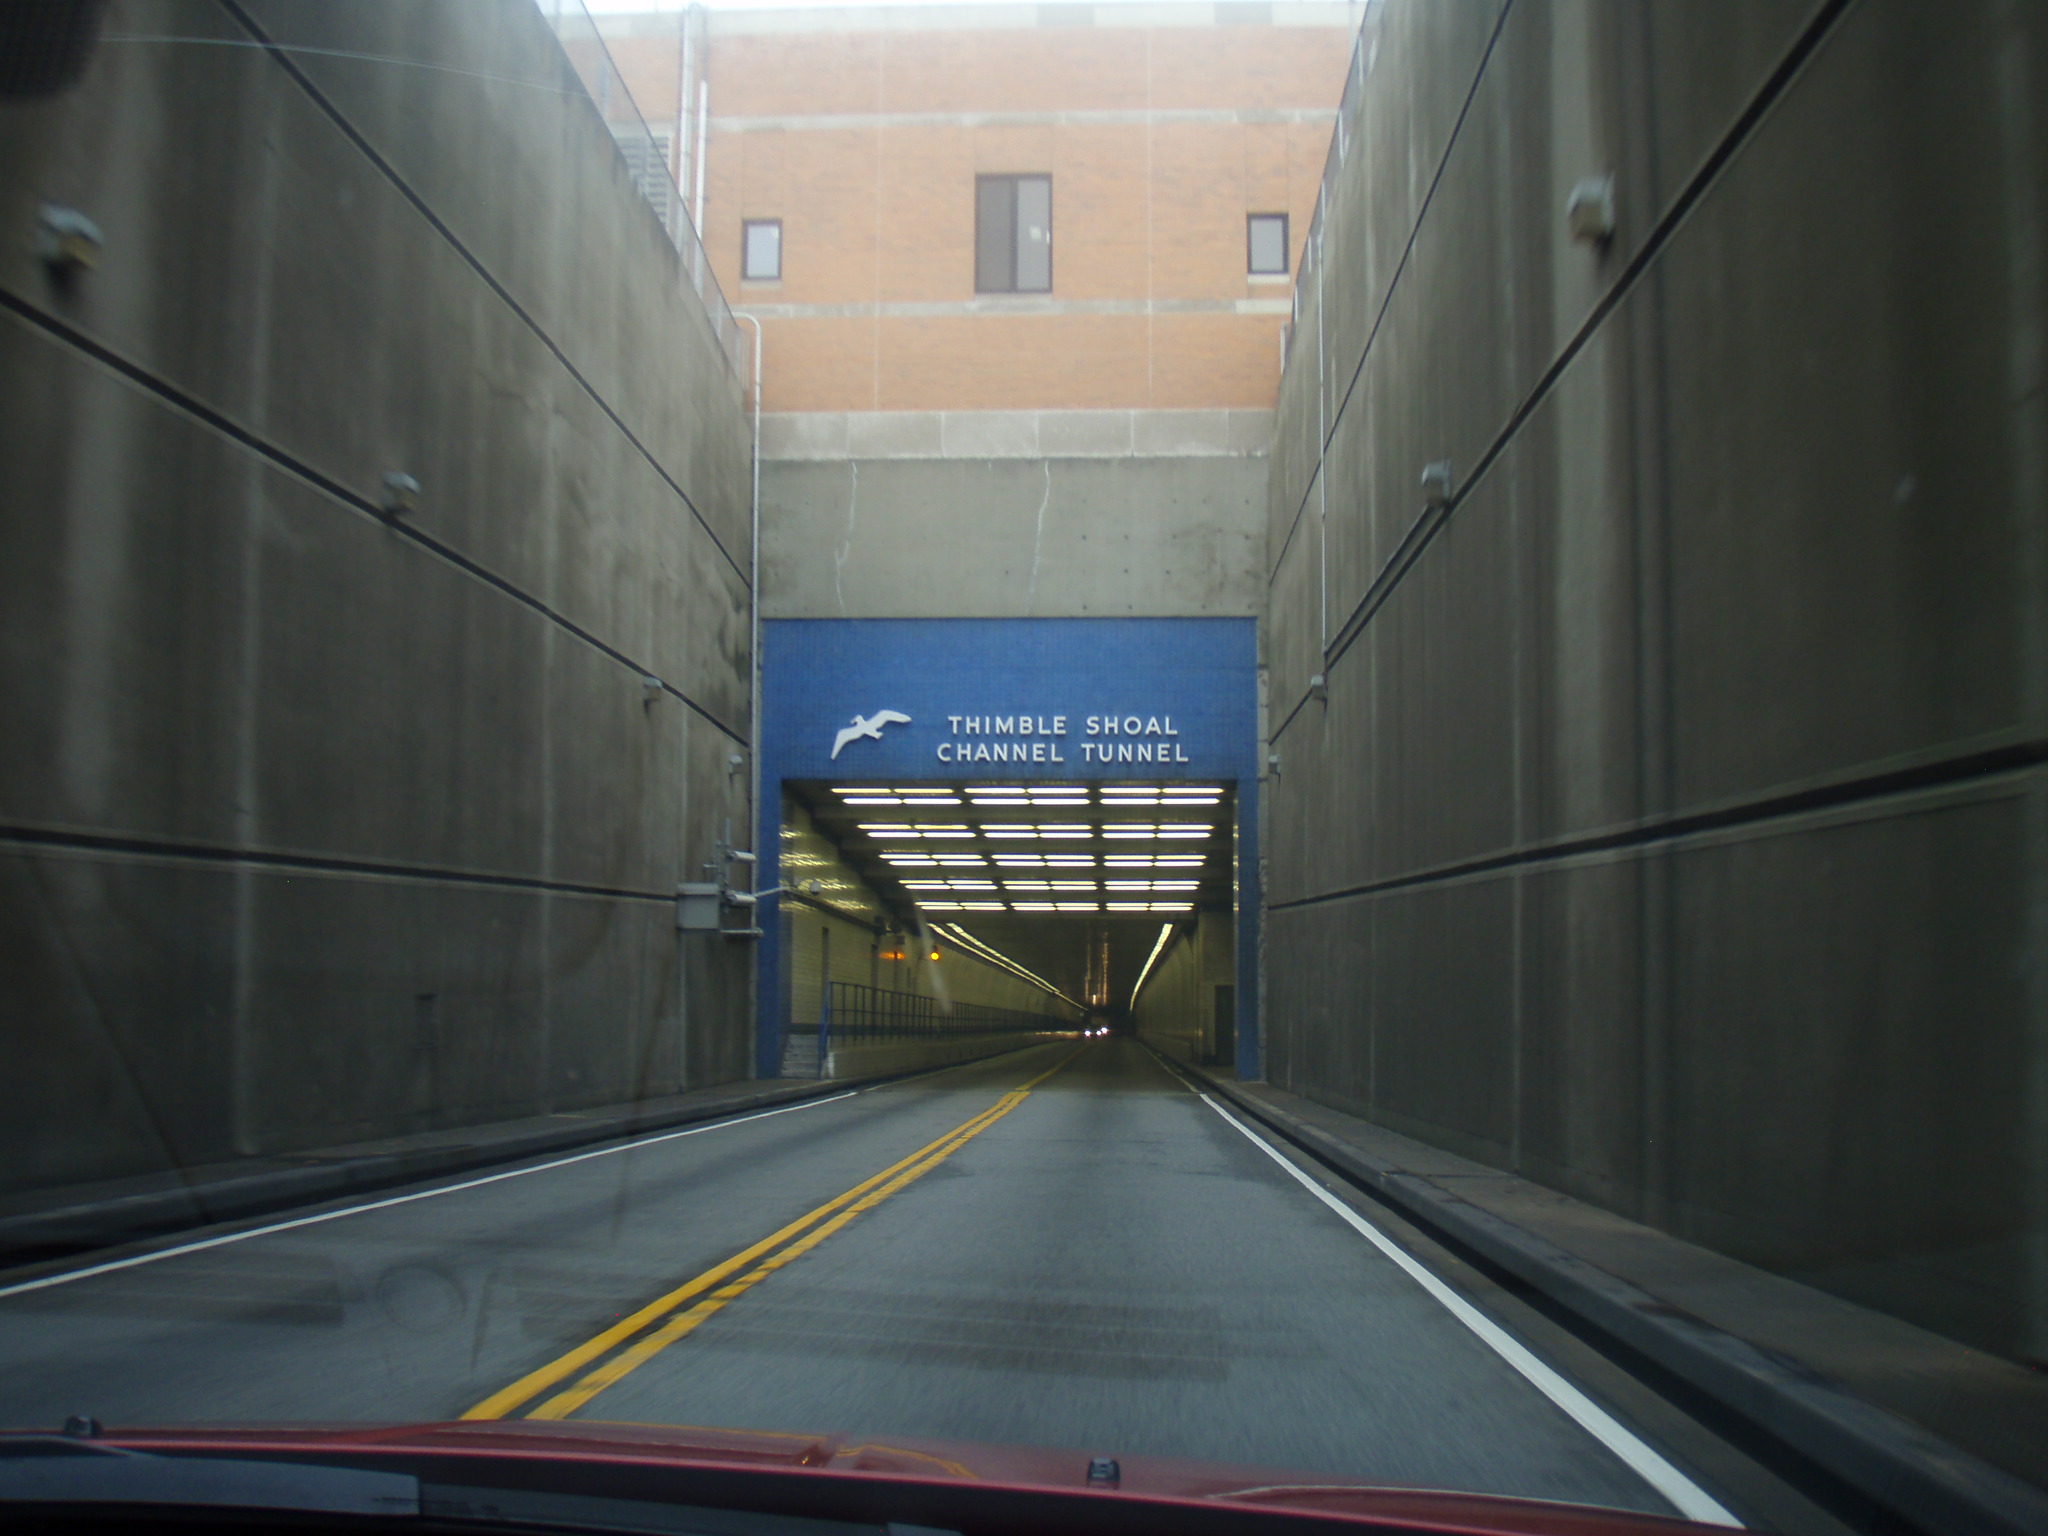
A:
(1013, 234)
(1265, 238)
(761, 251)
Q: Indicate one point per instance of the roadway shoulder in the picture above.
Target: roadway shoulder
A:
(1952, 1439)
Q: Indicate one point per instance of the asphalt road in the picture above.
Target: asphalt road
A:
(1105, 1263)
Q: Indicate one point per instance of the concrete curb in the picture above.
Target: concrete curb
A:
(1888, 1460)
(63, 1232)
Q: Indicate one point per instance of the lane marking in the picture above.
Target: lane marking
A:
(777, 1249)
(1682, 1492)
(152, 1257)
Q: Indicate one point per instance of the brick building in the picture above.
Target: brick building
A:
(1004, 210)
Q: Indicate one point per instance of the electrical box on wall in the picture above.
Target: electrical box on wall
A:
(698, 905)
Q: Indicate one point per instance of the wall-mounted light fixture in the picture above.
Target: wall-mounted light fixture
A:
(67, 242)
(1589, 211)
(1319, 688)
(650, 688)
(1436, 484)
(401, 495)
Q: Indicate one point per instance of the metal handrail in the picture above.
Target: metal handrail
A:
(647, 161)
(857, 1013)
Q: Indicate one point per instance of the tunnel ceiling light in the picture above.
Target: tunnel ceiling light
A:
(962, 861)
(1032, 906)
(1079, 906)
(883, 826)
(872, 800)
(971, 885)
(1000, 800)
(941, 906)
(905, 861)
(1173, 906)
(1066, 829)
(924, 885)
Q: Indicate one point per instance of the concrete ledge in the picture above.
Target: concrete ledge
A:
(857, 1063)
(1889, 1460)
(42, 1225)
(834, 435)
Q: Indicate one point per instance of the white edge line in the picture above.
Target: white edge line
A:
(1685, 1495)
(133, 1260)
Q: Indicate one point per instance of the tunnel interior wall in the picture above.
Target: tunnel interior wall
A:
(1178, 1009)
(1672, 830)
(848, 909)
(318, 827)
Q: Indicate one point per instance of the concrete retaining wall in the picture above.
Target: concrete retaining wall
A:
(1175, 1010)
(1671, 831)
(314, 828)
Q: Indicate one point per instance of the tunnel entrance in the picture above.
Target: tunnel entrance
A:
(1093, 906)
(1063, 811)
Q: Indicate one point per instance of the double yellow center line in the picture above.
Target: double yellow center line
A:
(667, 1318)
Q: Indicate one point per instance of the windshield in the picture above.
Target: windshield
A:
(1298, 743)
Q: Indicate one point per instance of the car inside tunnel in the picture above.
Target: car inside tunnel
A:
(950, 907)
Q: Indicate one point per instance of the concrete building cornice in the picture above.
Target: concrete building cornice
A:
(1098, 434)
(1153, 15)
(984, 308)
(1107, 118)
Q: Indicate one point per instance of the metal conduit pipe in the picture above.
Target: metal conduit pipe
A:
(754, 641)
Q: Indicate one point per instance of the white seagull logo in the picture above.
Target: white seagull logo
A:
(869, 726)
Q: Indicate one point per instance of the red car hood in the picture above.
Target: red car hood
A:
(1146, 1483)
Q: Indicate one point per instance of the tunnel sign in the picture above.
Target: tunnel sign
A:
(1043, 739)
(989, 699)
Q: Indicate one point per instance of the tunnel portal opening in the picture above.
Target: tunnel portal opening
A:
(956, 914)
